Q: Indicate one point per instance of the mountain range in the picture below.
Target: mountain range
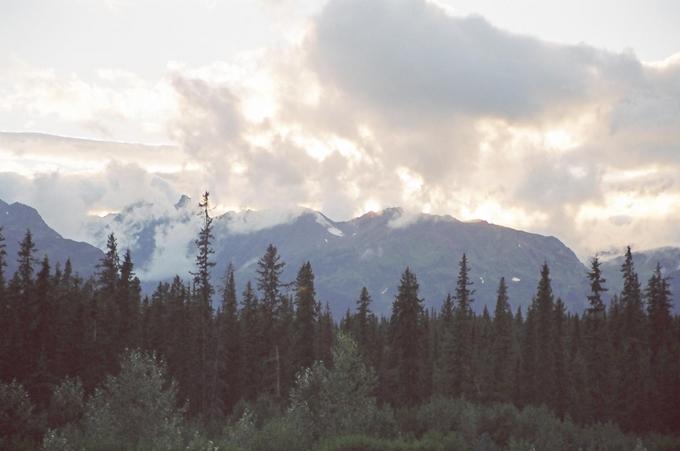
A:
(371, 250)
(16, 218)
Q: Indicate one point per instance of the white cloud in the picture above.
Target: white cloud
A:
(378, 104)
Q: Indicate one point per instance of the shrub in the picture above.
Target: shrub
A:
(16, 426)
(336, 401)
(443, 415)
(67, 404)
(134, 410)
(430, 442)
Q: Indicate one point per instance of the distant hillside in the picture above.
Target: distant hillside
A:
(645, 264)
(370, 250)
(16, 218)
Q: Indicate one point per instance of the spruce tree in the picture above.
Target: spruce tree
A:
(305, 317)
(406, 335)
(631, 404)
(105, 315)
(461, 364)
(543, 306)
(250, 343)
(663, 361)
(560, 396)
(528, 393)
(631, 301)
(40, 333)
(229, 344)
(325, 337)
(22, 294)
(202, 311)
(364, 324)
(3, 264)
(597, 352)
(6, 317)
(502, 356)
(659, 304)
(269, 269)
(128, 297)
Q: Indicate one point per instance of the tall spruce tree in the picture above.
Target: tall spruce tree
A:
(203, 312)
(461, 363)
(269, 269)
(658, 298)
(6, 316)
(305, 317)
(406, 327)
(365, 328)
(560, 397)
(597, 351)
(22, 287)
(664, 361)
(3, 265)
(105, 315)
(39, 335)
(631, 300)
(543, 306)
(250, 343)
(631, 403)
(501, 352)
(228, 345)
(128, 297)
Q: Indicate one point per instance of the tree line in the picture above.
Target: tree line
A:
(617, 362)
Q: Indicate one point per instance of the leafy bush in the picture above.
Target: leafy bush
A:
(133, 410)
(443, 415)
(279, 434)
(67, 404)
(16, 424)
(336, 401)
(430, 442)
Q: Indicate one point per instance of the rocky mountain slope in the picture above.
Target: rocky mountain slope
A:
(16, 218)
(371, 250)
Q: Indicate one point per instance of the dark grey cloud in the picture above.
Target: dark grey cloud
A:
(410, 56)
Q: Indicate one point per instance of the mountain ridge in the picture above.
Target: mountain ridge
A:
(372, 250)
(369, 250)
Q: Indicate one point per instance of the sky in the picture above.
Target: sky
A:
(560, 118)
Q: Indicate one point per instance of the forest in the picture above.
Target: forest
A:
(94, 364)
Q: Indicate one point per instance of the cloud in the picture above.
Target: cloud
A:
(385, 103)
(411, 56)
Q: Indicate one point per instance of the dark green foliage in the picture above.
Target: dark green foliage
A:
(269, 269)
(406, 342)
(305, 317)
(135, 410)
(501, 350)
(228, 362)
(462, 346)
(615, 366)
(250, 336)
(597, 351)
(16, 409)
(431, 442)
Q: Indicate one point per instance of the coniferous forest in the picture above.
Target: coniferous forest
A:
(94, 364)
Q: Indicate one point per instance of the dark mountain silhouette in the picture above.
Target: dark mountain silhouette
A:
(16, 218)
(370, 250)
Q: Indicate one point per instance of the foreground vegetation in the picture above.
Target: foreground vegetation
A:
(329, 409)
(90, 364)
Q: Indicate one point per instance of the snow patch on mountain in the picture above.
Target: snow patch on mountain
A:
(250, 221)
(323, 221)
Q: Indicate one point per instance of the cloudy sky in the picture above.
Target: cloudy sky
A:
(555, 117)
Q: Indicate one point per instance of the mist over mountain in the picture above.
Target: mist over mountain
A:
(371, 250)
(645, 263)
(16, 218)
